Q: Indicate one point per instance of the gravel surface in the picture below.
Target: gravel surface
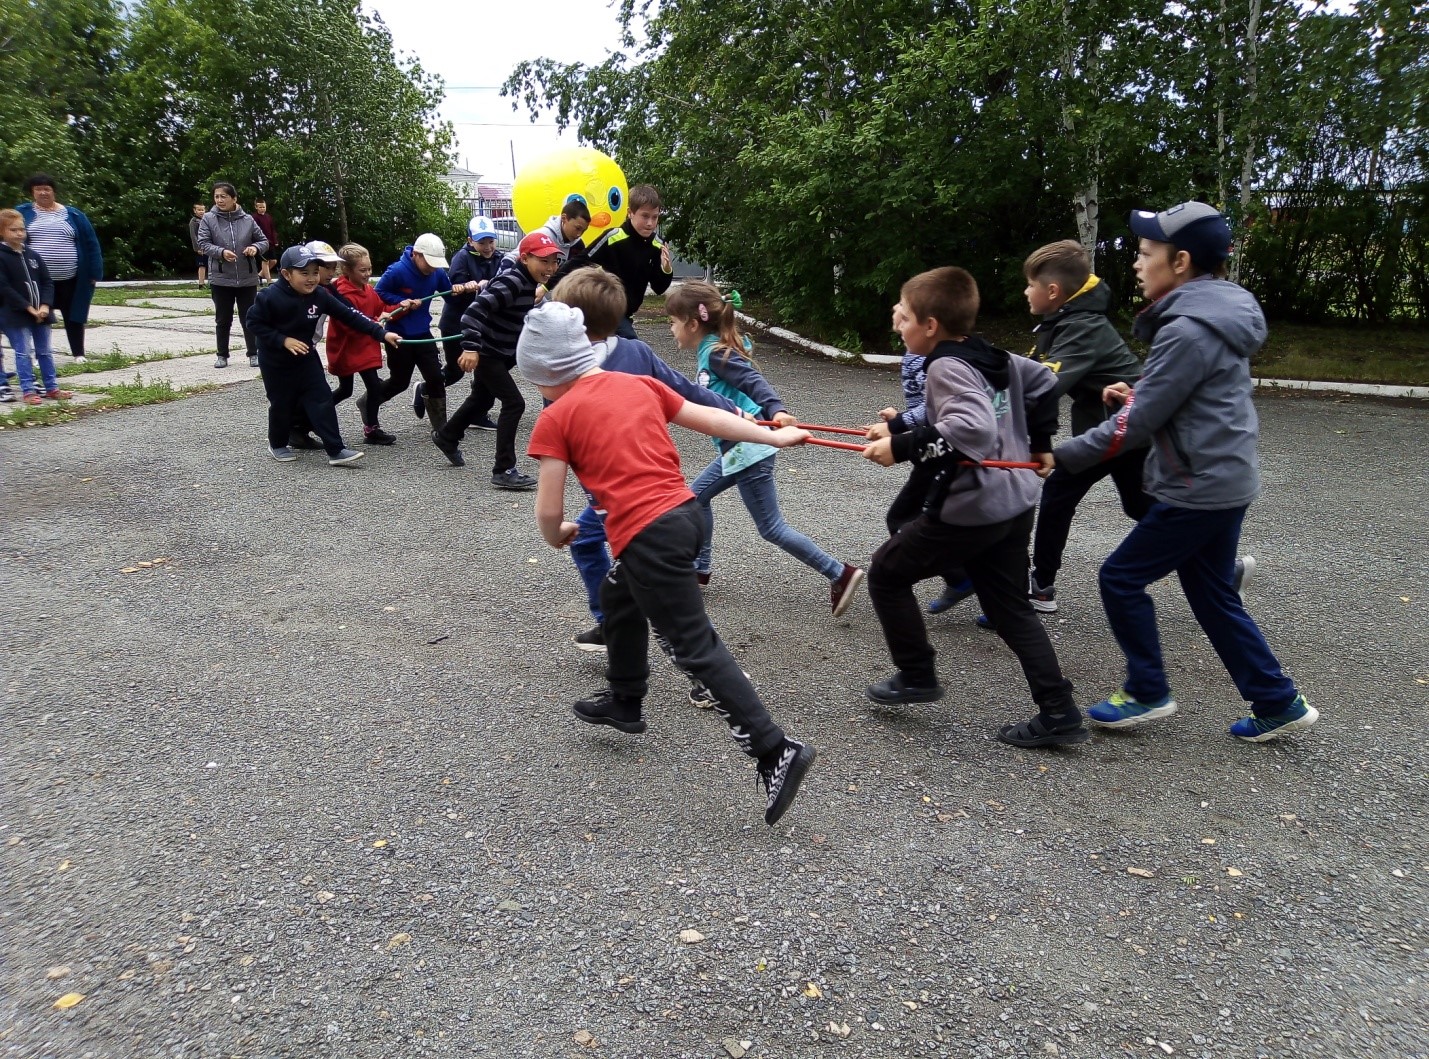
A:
(310, 785)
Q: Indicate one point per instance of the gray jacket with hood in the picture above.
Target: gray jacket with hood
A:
(236, 231)
(1193, 403)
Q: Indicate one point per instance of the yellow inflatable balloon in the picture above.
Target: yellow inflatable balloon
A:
(544, 186)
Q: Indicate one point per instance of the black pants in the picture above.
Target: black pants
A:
(995, 559)
(653, 582)
(64, 298)
(224, 299)
(298, 383)
(452, 373)
(373, 383)
(401, 362)
(908, 505)
(492, 378)
(1062, 492)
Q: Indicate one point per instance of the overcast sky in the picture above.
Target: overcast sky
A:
(473, 45)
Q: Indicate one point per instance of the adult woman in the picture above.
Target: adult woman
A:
(65, 241)
(234, 244)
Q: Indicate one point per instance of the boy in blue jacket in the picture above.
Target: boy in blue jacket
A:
(1193, 406)
(418, 274)
(283, 319)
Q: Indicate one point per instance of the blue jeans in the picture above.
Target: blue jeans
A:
(756, 489)
(1200, 546)
(33, 339)
(591, 557)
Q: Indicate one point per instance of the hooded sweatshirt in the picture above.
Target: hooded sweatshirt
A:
(236, 231)
(570, 248)
(632, 257)
(1084, 350)
(402, 280)
(24, 284)
(983, 404)
(1193, 403)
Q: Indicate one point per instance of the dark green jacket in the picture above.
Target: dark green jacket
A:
(1085, 352)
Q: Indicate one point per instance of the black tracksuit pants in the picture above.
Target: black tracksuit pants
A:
(653, 583)
(1063, 491)
(298, 383)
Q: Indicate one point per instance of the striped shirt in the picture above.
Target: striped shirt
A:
(52, 237)
(493, 321)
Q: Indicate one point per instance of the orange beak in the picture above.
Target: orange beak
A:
(600, 220)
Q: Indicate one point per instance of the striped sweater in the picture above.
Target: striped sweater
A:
(493, 321)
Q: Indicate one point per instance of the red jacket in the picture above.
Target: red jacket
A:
(349, 352)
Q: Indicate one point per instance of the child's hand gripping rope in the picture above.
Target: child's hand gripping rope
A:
(881, 451)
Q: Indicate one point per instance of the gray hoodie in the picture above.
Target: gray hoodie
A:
(1193, 403)
(219, 231)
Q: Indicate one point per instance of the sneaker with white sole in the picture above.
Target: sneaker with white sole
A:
(345, 458)
(593, 639)
(1120, 710)
(1244, 571)
(842, 591)
(1043, 600)
(1298, 715)
(282, 453)
(781, 771)
(702, 698)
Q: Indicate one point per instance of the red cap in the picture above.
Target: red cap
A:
(538, 243)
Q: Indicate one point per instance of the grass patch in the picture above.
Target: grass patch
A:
(111, 361)
(129, 295)
(120, 395)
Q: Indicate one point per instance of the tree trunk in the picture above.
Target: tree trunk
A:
(1248, 136)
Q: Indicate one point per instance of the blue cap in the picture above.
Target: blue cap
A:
(1194, 227)
(479, 228)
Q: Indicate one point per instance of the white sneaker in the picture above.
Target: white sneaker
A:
(1244, 571)
(80, 359)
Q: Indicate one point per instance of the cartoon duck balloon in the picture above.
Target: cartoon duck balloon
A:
(545, 185)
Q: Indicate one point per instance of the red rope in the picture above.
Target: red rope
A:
(1008, 465)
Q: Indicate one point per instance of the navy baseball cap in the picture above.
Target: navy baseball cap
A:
(1194, 227)
(297, 257)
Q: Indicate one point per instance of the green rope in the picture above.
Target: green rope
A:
(427, 341)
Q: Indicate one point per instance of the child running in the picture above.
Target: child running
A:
(26, 294)
(702, 319)
(611, 430)
(1193, 407)
(351, 352)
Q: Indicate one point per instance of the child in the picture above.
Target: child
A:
(565, 231)
(600, 297)
(201, 259)
(25, 297)
(417, 275)
(702, 319)
(655, 529)
(476, 262)
(634, 253)
(282, 320)
(908, 504)
(983, 403)
(1193, 406)
(350, 353)
(489, 332)
(264, 220)
(1077, 341)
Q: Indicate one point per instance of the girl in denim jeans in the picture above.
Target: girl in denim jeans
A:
(702, 319)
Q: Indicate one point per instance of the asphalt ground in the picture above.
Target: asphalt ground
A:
(309, 784)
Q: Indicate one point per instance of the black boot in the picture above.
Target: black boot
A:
(437, 411)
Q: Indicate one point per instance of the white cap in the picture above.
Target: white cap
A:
(431, 248)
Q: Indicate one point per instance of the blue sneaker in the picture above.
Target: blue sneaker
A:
(1299, 714)
(1120, 710)
(951, 597)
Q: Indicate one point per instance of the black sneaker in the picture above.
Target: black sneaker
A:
(419, 400)
(514, 480)
(895, 691)
(252, 361)
(593, 639)
(702, 698)
(303, 440)
(375, 435)
(621, 712)
(450, 448)
(484, 423)
(781, 771)
(220, 362)
(1063, 730)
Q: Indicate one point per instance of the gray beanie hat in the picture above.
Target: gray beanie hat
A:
(553, 347)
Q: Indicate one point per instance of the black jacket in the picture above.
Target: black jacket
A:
(465, 267)
(1085, 352)
(633, 258)
(24, 282)
(280, 312)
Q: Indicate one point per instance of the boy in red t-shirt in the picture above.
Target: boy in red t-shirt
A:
(655, 529)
